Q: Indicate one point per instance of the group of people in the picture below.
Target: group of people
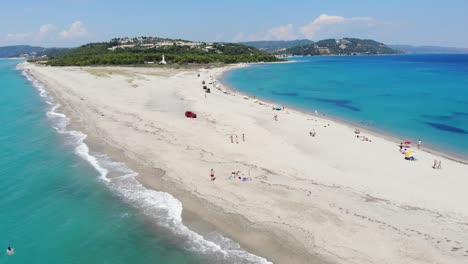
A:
(437, 164)
(234, 175)
(236, 138)
(364, 138)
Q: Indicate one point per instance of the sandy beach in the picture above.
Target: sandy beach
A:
(295, 198)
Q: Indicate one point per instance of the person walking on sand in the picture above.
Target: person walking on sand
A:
(419, 143)
(212, 175)
(237, 139)
(275, 117)
(232, 139)
(243, 137)
(439, 165)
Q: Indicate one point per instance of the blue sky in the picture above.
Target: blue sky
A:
(75, 22)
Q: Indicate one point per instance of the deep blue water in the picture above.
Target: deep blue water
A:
(61, 203)
(409, 96)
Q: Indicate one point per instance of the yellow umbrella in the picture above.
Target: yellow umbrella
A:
(256, 100)
(409, 154)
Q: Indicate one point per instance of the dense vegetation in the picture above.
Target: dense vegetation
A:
(102, 54)
(346, 46)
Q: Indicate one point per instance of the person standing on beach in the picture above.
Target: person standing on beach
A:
(243, 137)
(212, 175)
(275, 117)
(419, 143)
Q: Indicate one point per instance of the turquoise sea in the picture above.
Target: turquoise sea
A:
(408, 96)
(62, 203)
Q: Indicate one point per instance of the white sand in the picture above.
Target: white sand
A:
(341, 199)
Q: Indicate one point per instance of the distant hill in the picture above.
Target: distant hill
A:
(149, 50)
(428, 49)
(28, 51)
(271, 46)
(346, 46)
(305, 47)
(16, 51)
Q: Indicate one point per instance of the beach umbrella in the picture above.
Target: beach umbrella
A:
(407, 142)
(256, 100)
(409, 154)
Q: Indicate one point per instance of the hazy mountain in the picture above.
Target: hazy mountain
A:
(277, 44)
(428, 49)
(16, 51)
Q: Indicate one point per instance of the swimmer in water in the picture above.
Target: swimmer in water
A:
(10, 251)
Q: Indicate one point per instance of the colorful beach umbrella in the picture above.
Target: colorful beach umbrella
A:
(407, 142)
(409, 154)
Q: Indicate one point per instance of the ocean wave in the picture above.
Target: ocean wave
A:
(161, 206)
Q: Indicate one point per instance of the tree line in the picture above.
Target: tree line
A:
(99, 54)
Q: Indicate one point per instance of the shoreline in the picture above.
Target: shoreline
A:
(295, 223)
(198, 215)
(457, 157)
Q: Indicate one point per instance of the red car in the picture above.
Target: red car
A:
(190, 114)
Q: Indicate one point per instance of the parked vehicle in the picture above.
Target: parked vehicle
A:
(190, 114)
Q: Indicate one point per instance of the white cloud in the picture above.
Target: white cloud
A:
(329, 23)
(47, 29)
(76, 30)
(43, 32)
(18, 36)
(239, 37)
(324, 26)
(285, 32)
(49, 33)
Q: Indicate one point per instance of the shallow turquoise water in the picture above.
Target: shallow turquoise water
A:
(53, 207)
(63, 203)
(410, 96)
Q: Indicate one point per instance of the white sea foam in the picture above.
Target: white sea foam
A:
(161, 206)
